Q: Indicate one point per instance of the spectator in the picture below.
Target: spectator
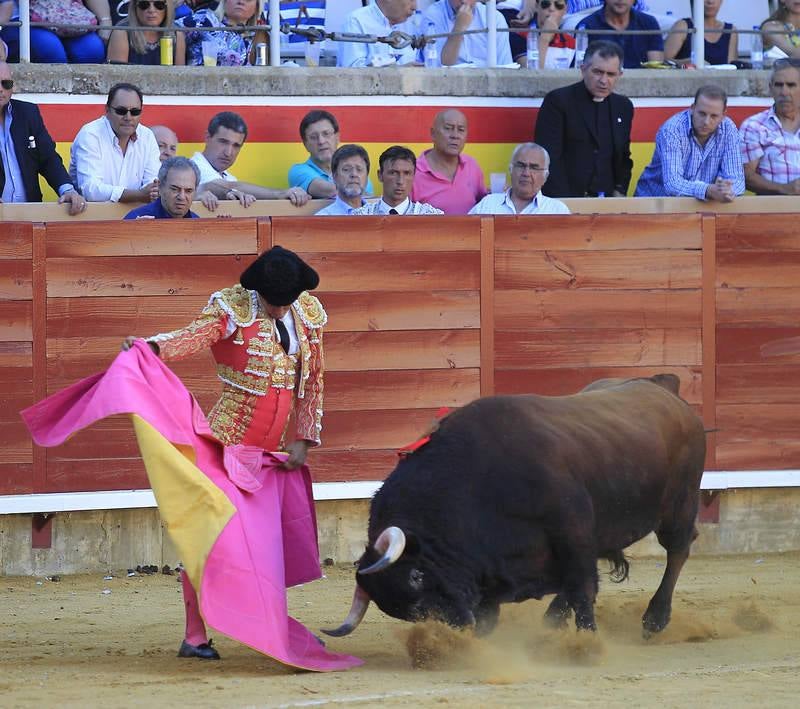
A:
(586, 129)
(771, 139)
(698, 153)
(177, 185)
(167, 142)
(52, 46)
(721, 38)
(396, 173)
(142, 46)
(28, 151)
(529, 168)
(378, 18)
(319, 131)
(445, 177)
(619, 15)
(222, 47)
(556, 49)
(785, 21)
(461, 16)
(114, 158)
(225, 137)
(350, 170)
(574, 6)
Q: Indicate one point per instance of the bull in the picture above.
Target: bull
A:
(517, 497)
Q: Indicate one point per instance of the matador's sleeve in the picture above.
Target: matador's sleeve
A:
(204, 331)
(308, 406)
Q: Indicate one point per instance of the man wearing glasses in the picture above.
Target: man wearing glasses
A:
(28, 151)
(114, 158)
(772, 138)
(529, 169)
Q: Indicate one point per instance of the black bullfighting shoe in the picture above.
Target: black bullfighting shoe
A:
(203, 651)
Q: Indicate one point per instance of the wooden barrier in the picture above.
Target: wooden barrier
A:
(423, 312)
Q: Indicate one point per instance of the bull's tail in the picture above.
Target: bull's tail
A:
(620, 566)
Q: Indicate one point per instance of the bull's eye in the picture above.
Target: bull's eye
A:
(415, 579)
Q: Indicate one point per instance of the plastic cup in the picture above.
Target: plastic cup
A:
(209, 52)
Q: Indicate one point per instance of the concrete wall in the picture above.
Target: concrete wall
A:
(751, 521)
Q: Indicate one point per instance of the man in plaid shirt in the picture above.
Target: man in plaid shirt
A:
(771, 150)
(698, 153)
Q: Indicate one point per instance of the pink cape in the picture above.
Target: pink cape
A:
(258, 519)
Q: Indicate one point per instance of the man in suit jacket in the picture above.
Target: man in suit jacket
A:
(586, 128)
(27, 151)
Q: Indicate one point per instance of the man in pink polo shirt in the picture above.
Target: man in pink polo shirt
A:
(445, 178)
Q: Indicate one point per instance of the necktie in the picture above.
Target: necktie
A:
(283, 334)
(393, 211)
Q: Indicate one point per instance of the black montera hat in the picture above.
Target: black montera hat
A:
(280, 276)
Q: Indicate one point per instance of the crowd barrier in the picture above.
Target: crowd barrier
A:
(423, 313)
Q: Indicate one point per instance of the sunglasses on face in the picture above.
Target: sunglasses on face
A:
(120, 111)
(159, 5)
(7, 84)
(544, 4)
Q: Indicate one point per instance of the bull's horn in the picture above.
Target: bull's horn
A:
(354, 617)
(390, 543)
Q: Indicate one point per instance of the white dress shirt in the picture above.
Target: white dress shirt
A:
(370, 20)
(208, 173)
(338, 208)
(99, 168)
(379, 207)
(501, 203)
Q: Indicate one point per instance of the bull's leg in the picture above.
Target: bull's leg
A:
(486, 617)
(659, 610)
(558, 612)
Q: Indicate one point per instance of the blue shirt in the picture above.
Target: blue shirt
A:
(681, 167)
(370, 20)
(14, 188)
(156, 209)
(337, 208)
(303, 174)
(635, 46)
(440, 18)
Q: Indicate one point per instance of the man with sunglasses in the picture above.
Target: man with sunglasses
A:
(28, 151)
(114, 158)
(772, 138)
(529, 168)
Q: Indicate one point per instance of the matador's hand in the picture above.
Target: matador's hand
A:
(297, 451)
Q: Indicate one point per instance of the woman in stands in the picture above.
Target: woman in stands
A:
(50, 48)
(222, 47)
(786, 21)
(142, 45)
(721, 38)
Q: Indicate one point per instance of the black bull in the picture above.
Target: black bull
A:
(516, 497)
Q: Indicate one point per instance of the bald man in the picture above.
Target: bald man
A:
(445, 178)
(167, 142)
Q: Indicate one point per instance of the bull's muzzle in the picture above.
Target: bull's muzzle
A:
(390, 544)
(354, 617)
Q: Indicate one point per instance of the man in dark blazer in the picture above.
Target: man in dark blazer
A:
(586, 128)
(27, 151)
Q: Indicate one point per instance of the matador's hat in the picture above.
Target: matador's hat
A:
(279, 276)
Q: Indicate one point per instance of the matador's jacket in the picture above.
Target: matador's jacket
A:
(261, 383)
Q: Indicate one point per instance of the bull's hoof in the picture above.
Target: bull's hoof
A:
(486, 618)
(652, 625)
(557, 620)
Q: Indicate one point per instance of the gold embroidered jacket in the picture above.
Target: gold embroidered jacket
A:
(250, 360)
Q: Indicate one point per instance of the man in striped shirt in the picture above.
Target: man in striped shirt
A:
(771, 138)
(698, 153)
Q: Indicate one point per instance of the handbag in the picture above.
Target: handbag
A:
(67, 12)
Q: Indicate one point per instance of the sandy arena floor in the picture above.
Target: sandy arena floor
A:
(734, 641)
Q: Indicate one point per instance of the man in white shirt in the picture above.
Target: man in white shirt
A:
(350, 169)
(114, 158)
(529, 169)
(396, 173)
(379, 18)
(226, 134)
(461, 16)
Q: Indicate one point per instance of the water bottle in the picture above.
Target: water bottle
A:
(431, 52)
(532, 54)
(581, 43)
(756, 49)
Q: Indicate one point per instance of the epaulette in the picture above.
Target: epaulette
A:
(311, 311)
(239, 303)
